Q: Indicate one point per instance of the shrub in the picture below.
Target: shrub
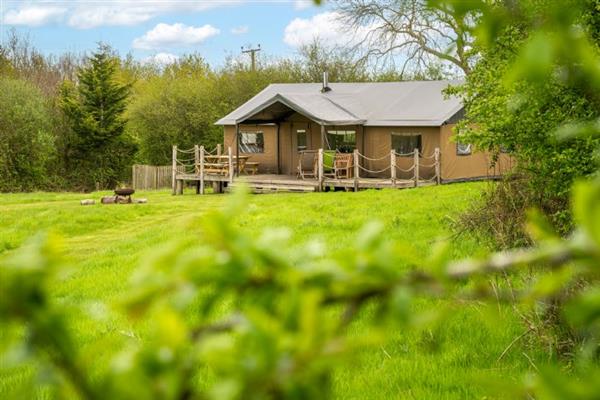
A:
(510, 107)
(27, 150)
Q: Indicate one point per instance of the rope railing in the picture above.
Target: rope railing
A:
(214, 151)
(405, 170)
(379, 171)
(373, 159)
(386, 169)
(412, 153)
(427, 165)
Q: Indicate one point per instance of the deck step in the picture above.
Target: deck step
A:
(267, 188)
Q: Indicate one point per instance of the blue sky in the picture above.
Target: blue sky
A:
(166, 29)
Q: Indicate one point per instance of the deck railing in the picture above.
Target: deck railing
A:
(359, 169)
(199, 164)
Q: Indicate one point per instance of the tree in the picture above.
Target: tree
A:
(95, 108)
(415, 33)
(176, 107)
(341, 64)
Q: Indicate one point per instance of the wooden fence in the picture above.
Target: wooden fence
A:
(152, 177)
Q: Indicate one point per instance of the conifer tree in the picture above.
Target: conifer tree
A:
(95, 107)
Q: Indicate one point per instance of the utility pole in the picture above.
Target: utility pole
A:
(252, 53)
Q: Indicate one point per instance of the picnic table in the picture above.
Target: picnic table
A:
(219, 164)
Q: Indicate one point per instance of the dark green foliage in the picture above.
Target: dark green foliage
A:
(95, 107)
(27, 151)
(517, 101)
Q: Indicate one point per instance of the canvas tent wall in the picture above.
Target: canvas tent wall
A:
(477, 164)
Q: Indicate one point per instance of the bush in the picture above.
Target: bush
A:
(27, 150)
(521, 114)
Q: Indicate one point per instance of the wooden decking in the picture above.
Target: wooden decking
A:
(266, 183)
(344, 172)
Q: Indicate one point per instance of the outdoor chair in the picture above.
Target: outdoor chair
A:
(343, 165)
(329, 157)
(308, 164)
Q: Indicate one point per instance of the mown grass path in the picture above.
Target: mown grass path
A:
(105, 243)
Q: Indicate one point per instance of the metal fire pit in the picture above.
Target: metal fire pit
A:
(124, 192)
(124, 195)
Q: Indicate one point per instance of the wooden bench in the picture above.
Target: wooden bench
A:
(216, 168)
(250, 167)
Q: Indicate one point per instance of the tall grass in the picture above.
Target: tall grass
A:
(105, 243)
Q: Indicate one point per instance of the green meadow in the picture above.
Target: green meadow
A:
(104, 244)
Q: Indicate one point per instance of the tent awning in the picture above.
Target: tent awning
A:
(317, 108)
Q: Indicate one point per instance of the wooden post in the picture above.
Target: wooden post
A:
(438, 175)
(197, 166)
(201, 169)
(219, 149)
(230, 158)
(278, 148)
(174, 171)
(393, 166)
(323, 138)
(237, 150)
(416, 166)
(179, 186)
(356, 170)
(320, 166)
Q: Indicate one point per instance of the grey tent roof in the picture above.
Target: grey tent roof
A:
(412, 103)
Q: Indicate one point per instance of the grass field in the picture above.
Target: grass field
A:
(105, 243)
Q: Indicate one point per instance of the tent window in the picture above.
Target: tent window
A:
(405, 144)
(252, 142)
(343, 141)
(301, 139)
(463, 149)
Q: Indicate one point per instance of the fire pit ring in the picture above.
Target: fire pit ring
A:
(123, 195)
(124, 191)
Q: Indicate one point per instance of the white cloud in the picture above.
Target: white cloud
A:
(86, 18)
(303, 4)
(33, 15)
(326, 27)
(86, 14)
(240, 30)
(176, 35)
(161, 59)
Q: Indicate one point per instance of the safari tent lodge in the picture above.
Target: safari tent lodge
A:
(353, 135)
